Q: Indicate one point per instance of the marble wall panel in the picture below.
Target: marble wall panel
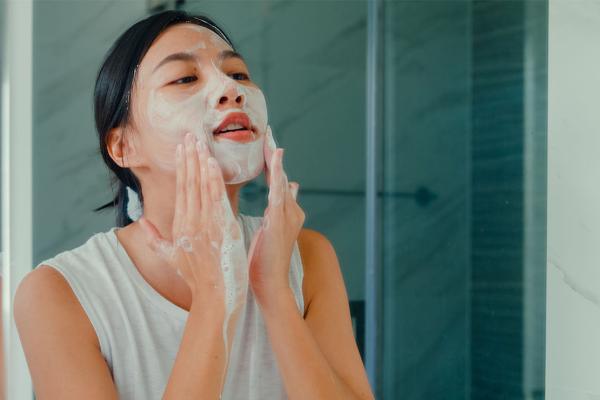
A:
(573, 298)
(427, 105)
(70, 179)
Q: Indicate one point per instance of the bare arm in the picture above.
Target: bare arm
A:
(200, 362)
(317, 355)
(60, 344)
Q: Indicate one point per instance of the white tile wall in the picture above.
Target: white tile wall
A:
(573, 275)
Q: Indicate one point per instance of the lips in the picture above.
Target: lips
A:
(235, 126)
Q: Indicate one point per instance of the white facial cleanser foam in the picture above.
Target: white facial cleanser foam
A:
(200, 114)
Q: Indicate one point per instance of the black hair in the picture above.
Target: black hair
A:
(113, 91)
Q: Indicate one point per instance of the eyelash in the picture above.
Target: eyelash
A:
(245, 77)
(185, 77)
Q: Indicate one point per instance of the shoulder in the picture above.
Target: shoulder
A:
(59, 343)
(62, 290)
(315, 247)
(44, 282)
(44, 299)
(320, 264)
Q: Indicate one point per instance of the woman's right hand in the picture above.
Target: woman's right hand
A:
(208, 249)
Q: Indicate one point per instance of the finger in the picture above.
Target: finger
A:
(283, 176)
(221, 200)
(180, 196)
(284, 179)
(275, 185)
(204, 176)
(284, 184)
(269, 148)
(163, 248)
(195, 198)
(215, 177)
(294, 186)
(192, 178)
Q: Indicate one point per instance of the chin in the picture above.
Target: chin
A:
(228, 180)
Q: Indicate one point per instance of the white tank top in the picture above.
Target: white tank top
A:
(140, 331)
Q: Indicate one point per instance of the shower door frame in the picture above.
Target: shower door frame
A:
(17, 190)
(373, 292)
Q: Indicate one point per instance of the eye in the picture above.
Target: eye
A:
(240, 76)
(184, 80)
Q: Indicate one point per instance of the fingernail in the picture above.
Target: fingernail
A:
(188, 137)
(270, 138)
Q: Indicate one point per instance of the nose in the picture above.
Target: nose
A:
(231, 97)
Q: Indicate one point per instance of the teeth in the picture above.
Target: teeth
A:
(232, 127)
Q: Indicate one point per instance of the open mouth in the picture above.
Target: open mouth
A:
(235, 126)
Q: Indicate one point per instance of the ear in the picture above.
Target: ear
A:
(121, 147)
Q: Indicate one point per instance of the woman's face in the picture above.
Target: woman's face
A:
(191, 80)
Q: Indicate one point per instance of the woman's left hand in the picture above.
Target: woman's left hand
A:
(271, 250)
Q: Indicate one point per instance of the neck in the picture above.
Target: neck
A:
(159, 209)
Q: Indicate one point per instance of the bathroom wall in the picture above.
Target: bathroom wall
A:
(573, 299)
(463, 202)
(69, 178)
(497, 295)
(508, 201)
(425, 202)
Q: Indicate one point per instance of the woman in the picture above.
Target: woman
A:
(193, 299)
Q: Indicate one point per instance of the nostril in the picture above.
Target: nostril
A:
(224, 99)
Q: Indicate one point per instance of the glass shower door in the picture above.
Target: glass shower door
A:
(462, 200)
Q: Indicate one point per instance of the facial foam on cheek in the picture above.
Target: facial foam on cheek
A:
(200, 115)
(240, 162)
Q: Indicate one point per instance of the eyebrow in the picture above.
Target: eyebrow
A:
(183, 56)
(226, 54)
(176, 57)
